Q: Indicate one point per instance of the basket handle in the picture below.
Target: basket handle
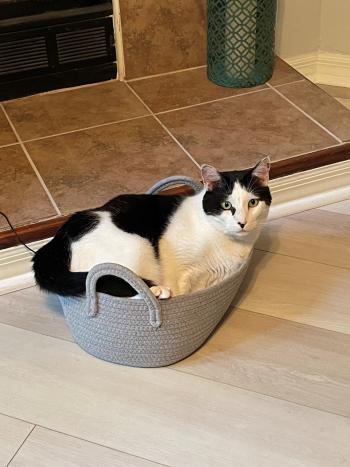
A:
(175, 180)
(110, 269)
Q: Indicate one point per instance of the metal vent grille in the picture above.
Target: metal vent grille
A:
(78, 45)
(23, 54)
(56, 55)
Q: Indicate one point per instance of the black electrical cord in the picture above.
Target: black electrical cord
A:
(14, 231)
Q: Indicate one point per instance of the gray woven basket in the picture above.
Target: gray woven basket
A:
(146, 332)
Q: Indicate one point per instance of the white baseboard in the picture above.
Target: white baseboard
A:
(16, 267)
(306, 64)
(291, 194)
(323, 67)
(333, 69)
(310, 189)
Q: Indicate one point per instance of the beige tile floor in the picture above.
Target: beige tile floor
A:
(271, 388)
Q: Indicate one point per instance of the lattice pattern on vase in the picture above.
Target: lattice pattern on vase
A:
(241, 41)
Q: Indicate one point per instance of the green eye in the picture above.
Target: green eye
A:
(253, 203)
(226, 205)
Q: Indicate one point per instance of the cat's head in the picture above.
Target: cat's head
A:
(237, 202)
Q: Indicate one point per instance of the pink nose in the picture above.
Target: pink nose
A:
(242, 225)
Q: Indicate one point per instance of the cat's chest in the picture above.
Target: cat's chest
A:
(221, 258)
(191, 263)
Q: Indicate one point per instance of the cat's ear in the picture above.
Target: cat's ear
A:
(211, 177)
(261, 171)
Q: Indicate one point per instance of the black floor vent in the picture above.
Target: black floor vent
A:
(74, 46)
(45, 57)
(23, 54)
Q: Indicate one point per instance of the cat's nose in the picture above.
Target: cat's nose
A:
(242, 225)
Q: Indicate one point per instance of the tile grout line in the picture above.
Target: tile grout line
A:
(305, 113)
(41, 180)
(36, 171)
(212, 101)
(137, 117)
(85, 128)
(290, 82)
(155, 114)
(8, 145)
(174, 72)
(151, 113)
(39, 138)
(163, 126)
(20, 447)
(167, 73)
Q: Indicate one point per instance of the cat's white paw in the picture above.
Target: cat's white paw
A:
(161, 292)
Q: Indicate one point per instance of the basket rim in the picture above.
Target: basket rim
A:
(173, 300)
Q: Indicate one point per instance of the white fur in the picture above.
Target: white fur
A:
(196, 251)
(106, 243)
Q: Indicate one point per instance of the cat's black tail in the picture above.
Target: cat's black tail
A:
(51, 269)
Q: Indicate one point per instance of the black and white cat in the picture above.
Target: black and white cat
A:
(177, 244)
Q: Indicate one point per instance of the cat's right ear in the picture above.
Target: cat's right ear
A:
(211, 177)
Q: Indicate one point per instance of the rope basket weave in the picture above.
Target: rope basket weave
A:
(146, 332)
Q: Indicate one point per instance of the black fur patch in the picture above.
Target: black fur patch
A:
(144, 215)
(212, 199)
(80, 224)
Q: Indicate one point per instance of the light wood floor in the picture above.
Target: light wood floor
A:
(271, 388)
(340, 93)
